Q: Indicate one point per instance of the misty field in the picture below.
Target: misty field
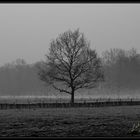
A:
(69, 122)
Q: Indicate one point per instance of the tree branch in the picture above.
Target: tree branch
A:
(61, 90)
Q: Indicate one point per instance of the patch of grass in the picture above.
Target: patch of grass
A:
(69, 122)
(135, 129)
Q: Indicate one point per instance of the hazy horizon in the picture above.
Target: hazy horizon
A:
(27, 29)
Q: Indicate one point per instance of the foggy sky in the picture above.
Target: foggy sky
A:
(27, 29)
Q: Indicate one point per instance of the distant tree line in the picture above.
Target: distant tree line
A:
(121, 70)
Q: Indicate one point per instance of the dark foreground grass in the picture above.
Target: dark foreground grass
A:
(69, 122)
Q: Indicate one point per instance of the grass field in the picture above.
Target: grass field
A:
(69, 122)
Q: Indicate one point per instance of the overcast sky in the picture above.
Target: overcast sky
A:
(27, 29)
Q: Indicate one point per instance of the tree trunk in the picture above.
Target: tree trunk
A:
(72, 96)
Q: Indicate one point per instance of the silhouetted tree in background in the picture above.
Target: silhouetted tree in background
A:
(20, 78)
(122, 68)
(71, 62)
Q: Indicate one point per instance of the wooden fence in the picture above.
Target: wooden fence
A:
(64, 105)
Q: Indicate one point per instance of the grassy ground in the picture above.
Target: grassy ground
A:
(69, 122)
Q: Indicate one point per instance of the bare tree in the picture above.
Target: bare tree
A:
(71, 62)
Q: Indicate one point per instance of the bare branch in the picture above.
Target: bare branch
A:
(61, 90)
